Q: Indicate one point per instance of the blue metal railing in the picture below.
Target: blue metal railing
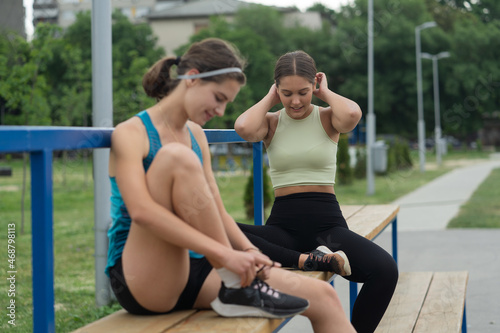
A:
(40, 142)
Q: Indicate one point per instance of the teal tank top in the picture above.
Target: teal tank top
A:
(121, 221)
(301, 152)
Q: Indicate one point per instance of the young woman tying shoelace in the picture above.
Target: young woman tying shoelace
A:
(172, 244)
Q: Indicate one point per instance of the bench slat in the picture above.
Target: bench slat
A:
(123, 322)
(350, 210)
(371, 220)
(402, 313)
(444, 306)
(209, 322)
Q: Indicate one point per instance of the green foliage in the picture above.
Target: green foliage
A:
(360, 166)
(248, 195)
(399, 157)
(344, 170)
(483, 208)
(48, 80)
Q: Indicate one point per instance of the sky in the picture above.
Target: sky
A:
(301, 4)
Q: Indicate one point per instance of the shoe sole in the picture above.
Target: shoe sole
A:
(234, 310)
(347, 266)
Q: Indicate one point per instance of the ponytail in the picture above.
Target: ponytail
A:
(209, 55)
(157, 82)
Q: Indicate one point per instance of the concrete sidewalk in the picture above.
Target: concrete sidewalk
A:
(425, 244)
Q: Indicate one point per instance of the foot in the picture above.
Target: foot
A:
(323, 259)
(257, 300)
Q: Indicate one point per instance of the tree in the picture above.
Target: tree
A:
(24, 87)
(344, 170)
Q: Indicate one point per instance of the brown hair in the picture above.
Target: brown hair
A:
(207, 55)
(295, 63)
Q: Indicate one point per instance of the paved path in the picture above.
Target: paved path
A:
(426, 245)
(433, 205)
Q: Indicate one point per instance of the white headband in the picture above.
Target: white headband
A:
(212, 73)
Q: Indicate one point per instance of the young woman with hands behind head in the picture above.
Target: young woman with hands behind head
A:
(173, 246)
(306, 228)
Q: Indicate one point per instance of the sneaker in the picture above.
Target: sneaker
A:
(257, 300)
(321, 260)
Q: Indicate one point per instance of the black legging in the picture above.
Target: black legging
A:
(301, 222)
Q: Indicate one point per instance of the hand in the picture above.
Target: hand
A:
(273, 93)
(322, 83)
(245, 264)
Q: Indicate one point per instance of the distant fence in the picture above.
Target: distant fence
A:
(41, 142)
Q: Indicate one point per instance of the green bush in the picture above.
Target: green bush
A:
(248, 196)
(398, 157)
(360, 167)
(344, 170)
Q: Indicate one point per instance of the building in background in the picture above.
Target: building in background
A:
(12, 15)
(172, 21)
(45, 11)
(174, 25)
(63, 12)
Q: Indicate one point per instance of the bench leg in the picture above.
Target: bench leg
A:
(42, 242)
(395, 239)
(353, 294)
(464, 319)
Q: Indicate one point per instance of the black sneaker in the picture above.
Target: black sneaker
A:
(319, 261)
(257, 300)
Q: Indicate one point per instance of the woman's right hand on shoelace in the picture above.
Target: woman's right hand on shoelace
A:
(245, 264)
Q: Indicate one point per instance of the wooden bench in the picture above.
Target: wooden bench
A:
(427, 302)
(368, 221)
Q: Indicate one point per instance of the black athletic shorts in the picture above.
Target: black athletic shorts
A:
(199, 270)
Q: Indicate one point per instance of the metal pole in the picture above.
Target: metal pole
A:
(437, 112)
(102, 116)
(437, 124)
(370, 134)
(420, 99)
(421, 123)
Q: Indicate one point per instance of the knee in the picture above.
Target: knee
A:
(176, 156)
(326, 293)
(388, 271)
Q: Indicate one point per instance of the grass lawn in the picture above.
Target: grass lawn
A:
(74, 234)
(483, 208)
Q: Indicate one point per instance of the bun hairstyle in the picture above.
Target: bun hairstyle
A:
(295, 63)
(207, 55)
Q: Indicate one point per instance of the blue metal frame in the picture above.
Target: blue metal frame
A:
(40, 142)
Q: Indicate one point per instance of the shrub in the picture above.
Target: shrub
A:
(360, 167)
(344, 170)
(248, 196)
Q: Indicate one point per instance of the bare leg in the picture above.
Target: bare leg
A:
(156, 271)
(325, 311)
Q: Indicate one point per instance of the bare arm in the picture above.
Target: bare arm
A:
(253, 124)
(238, 240)
(345, 113)
(126, 154)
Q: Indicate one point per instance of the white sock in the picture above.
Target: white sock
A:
(230, 279)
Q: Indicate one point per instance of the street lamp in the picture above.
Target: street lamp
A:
(421, 123)
(437, 115)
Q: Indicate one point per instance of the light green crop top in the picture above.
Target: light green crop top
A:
(301, 152)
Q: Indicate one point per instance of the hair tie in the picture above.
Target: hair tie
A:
(177, 61)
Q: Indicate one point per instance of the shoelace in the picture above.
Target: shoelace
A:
(324, 258)
(263, 287)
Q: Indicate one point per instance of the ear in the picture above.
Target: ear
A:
(192, 82)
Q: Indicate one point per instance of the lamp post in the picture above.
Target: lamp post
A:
(421, 123)
(370, 120)
(437, 112)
